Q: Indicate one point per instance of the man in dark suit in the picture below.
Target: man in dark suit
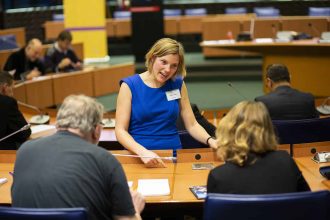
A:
(11, 119)
(284, 102)
(25, 63)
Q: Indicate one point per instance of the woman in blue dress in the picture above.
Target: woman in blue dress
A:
(149, 103)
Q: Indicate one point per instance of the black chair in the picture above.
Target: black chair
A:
(189, 142)
(319, 11)
(8, 42)
(266, 12)
(302, 131)
(238, 10)
(11, 213)
(287, 206)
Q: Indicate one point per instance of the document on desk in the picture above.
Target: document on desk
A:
(153, 187)
(40, 128)
(3, 180)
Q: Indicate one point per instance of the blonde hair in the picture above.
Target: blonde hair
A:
(79, 112)
(163, 47)
(246, 128)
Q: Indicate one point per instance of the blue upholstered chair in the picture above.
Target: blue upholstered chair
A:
(8, 42)
(10, 213)
(172, 12)
(58, 17)
(302, 131)
(189, 142)
(240, 10)
(122, 14)
(288, 206)
(320, 11)
(266, 12)
(195, 11)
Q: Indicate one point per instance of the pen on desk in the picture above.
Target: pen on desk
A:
(129, 155)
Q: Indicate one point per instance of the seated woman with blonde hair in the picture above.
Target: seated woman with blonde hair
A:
(247, 143)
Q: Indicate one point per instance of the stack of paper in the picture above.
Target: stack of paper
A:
(40, 128)
(3, 180)
(153, 187)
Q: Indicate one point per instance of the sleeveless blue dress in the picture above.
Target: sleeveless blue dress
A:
(153, 117)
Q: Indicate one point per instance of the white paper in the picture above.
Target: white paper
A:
(263, 40)
(130, 184)
(153, 187)
(214, 42)
(40, 128)
(3, 180)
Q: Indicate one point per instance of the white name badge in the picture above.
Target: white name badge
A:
(173, 95)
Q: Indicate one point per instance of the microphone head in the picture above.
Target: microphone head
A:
(26, 127)
(229, 84)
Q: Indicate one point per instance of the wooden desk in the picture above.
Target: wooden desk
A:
(19, 92)
(263, 27)
(307, 62)
(39, 92)
(52, 89)
(106, 80)
(65, 84)
(52, 29)
(180, 176)
(171, 26)
(310, 171)
(314, 26)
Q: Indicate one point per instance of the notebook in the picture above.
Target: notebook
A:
(153, 187)
(199, 192)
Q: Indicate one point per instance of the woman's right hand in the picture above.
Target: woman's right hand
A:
(150, 159)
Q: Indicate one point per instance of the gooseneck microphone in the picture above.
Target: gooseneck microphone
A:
(237, 91)
(25, 127)
(41, 118)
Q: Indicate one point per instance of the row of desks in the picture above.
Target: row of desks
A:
(307, 61)
(109, 141)
(199, 25)
(180, 176)
(262, 28)
(50, 90)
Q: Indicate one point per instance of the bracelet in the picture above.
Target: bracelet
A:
(207, 140)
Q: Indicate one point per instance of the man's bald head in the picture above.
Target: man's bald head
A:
(33, 49)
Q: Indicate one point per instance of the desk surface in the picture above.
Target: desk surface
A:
(180, 176)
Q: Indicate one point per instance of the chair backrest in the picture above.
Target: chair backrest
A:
(8, 42)
(288, 206)
(266, 12)
(319, 11)
(172, 12)
(240, 10)
(195, 11)
(302, 131)
(58, 17)
(121, 14)
(189, 142)
(11, 213)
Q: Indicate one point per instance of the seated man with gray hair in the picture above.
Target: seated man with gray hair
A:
(67, 169)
